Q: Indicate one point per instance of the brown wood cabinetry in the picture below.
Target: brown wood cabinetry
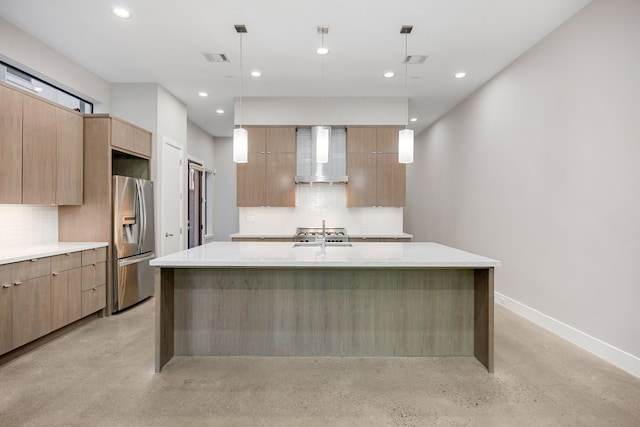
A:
(30, 301)
(10, 146)
(130, 138)
(45, 294)
(69, 165)
(5, 308)
(379, 239)
(262, 239)
(375, 176)
(38, 152)
(94, 280)
(41, 151)
(268, 178)
(66, 289)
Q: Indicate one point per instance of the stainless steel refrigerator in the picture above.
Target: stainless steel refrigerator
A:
(133, 241)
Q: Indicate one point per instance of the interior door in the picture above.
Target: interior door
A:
(172, 205)
(194, 199)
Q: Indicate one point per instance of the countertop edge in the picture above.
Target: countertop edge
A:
(9, 256)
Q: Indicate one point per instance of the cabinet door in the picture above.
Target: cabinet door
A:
(387, 139)
(280, 179)
(5, 308)
(280, 168)
(142, 142)
(361, 140)
(10, 146)
(361, 188)
(251, 186)
(122, 135)
(69, 166)
(31, 310)
(59, 299)
(38, 152)
(75, 294)
(390, 180)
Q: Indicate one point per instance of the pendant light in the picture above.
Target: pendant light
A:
(240, 137)
(322, 134)
(405, 136)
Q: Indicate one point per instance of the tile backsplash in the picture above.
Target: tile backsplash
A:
(315, 203)
(22, 226)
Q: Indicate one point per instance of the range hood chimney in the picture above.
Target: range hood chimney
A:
(310, 171)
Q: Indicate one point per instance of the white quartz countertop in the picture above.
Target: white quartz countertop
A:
(360, 254)
(291, 236)
(9, 255)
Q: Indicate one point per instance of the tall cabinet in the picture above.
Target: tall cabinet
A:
(109, 143)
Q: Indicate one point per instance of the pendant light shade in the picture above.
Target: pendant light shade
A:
(405, 136)
(405, 146)
(240, 146)
(322, 145)
(240, 136)
(322, 133)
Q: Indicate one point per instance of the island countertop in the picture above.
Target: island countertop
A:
(359, 254)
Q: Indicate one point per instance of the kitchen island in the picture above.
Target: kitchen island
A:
(362, 299)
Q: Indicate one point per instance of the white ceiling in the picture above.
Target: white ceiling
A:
(164, 40)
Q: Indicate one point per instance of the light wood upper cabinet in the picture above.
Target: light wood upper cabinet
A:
(375, 176)
(130, 138)
(268, 178)
(69, 166)
(41, 151)
(10, 146)
(38, 152)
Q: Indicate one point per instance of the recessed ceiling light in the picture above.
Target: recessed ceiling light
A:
(460, 75)
(121, 12)
(322, 51)
(256, 73)
(38, 89)
(203, 94)
(389, 74)
(413, 119)
(220, 111)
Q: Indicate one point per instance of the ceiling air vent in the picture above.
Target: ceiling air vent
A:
(415, 59)
(215, 57)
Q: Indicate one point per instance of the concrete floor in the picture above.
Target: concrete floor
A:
(102, 375)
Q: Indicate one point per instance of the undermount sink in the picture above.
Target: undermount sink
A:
(343, 244)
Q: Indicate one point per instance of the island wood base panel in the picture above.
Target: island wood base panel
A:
(324, 312)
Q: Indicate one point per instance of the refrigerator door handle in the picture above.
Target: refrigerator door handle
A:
(135, 260)
(141, 214)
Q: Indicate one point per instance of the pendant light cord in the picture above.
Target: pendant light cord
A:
(322, 84)
(241, 81)
(406, 52)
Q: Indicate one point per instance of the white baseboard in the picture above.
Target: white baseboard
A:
(609, 353)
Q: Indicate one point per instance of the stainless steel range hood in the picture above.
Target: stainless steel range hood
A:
(308, 170)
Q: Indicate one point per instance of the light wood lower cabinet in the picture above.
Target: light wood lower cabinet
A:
(31, 301)
(45, 294)
(5, 308)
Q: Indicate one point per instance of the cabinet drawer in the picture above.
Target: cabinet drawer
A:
(26, 270)
(65, 262)
(94, 275)
(93, 256)
(93, 300)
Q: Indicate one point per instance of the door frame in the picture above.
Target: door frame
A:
(197, 165)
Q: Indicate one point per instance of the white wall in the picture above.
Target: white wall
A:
(200, 144)
(225, 209)
(308, 111)
(539, 169)
(26, 52)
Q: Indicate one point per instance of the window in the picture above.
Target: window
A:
(26, 81)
